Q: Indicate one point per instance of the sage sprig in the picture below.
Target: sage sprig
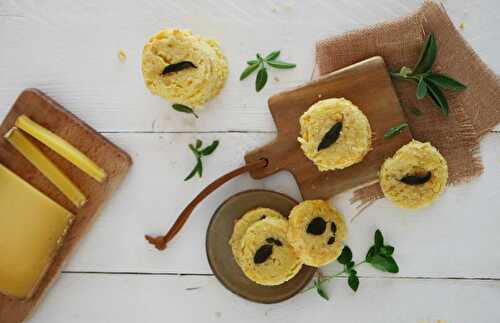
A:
(261, 63)
(429, 83)
(199, 153)
(395, 130)
(184, 108)
(379, 256)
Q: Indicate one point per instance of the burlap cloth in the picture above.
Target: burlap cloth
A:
(472, 112)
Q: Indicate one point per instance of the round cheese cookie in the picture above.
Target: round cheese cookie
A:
(183, 68)
(316, 231)
(334, 134)
(241, 226)
(267, 257)
(415, 176)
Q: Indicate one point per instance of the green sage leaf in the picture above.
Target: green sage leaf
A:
(178, 67)
(421, 89)
(199, 167)
(384, 263)
(438, 97)
(331, 136)
(249, 70)
(183, 108)
(346, 256)
(319, 288)
(281, 64)
(353, 282)
(252, 62)
(369, 255)
(379, 239)
(387, 250)
(272, 55)
(210, 149)
(261, 79)
(194, 150)
(395, 130)
(427, 56)
(194, 171)
(445, 82)
(198, 143)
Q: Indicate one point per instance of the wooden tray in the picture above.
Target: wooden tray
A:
(368, 85)
(115, 162)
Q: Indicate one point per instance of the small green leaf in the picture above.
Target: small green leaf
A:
(395, 130)
(331, 136)
(194, 150)
(199, 167)
(198, 143)
(319, 288)
(405, 71)
(194, 171)
(249, 70)
(281, 64)
(421, 89)
(438, 97)
(384, 263)
(252, 62)
(353, 282)
(349, 266)
(261, 79)
(210, 149)
(184, 108)
(427, 56)
(387, 250)
(178, 67)
(369, 255)
(379, 239)
(445, 82)
(346, 256)
(272, 55)
(416, 111)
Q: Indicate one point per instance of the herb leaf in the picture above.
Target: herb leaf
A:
(438, 97)
(379, 240)
(353, 282)
(427, 56)
(395, 130)
(193, 172)
(210, 149)
(249, 70)
(384, 263)
(261, 79)
(184, 108)
(252, 62)
(272, 55)
(331, 136)
(387, 250)
(421, 89)
(198, 143)
(177, 67)
(445, 82)
(319, 288)
(346, 256)
(281, 64)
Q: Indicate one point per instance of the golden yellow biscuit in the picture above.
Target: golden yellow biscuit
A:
(242, 225)
(334, 134)
(316, 231)
(267, 257)
(192, 86)
(415, 176)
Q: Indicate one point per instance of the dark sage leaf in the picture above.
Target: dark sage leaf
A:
(317, 226)
(210, 149)
(395, 130)
(353, 282)
(194, 150)
(263, 253)
(319, 288)
(369, 255)
(281, 64)
(427, 56)
(261, 79)
(196, 170)
(249, 70)
(331, 136)
(178, 67)
(184, 108)
(421, 89)
(438, 97)
(384, 263)
(272, 55)
(445, 82)
(198, 143)
(387, 250)
(379, 240)
(346, 256)
(416, 179)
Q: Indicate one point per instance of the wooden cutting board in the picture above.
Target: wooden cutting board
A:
(115, 162)
(368, 85)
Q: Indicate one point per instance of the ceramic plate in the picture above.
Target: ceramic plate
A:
(220, 256)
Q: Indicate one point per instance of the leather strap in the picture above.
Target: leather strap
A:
(160, 242)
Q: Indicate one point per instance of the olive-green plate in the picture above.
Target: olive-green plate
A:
(220, 256)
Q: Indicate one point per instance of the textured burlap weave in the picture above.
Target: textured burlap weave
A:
(472, 112)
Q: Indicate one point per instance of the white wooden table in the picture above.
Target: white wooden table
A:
(448, 253)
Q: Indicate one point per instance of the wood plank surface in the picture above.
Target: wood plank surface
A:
(112, 159)
(368, 85)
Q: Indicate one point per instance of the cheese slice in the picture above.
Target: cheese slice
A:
(32, 228)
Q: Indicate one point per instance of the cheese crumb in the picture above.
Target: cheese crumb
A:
(122, 56)
(461, 25)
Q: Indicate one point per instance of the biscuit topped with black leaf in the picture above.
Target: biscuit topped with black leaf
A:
(415, 176)
(316, 231)
(335, 134)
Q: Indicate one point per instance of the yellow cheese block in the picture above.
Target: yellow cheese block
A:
(32, 228)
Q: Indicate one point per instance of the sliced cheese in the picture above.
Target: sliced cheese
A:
(32, 228)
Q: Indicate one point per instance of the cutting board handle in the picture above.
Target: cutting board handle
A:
(160, 242)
